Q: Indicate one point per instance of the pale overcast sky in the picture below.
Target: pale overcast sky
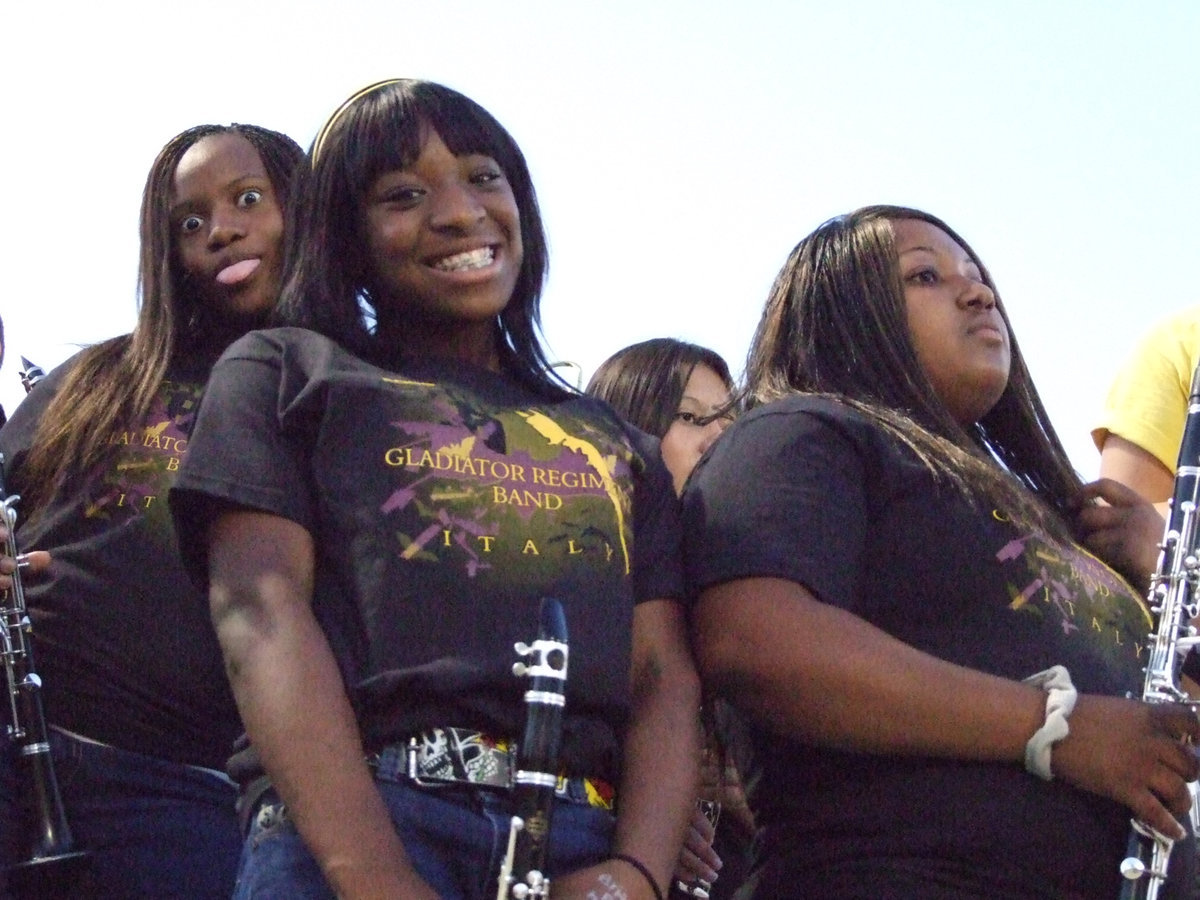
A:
(679, 149)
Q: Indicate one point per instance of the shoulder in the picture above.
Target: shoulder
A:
(593, 422)
(799, 417)
(275, 342)
(292, 353)
(54, 378)
(800, 439)
(28, 413)
(1173, 340)
(604, 416)
(1180, 340)
(98, 358)
(644, 450)
(1147, 399)
(820, 407)
(1182, 323)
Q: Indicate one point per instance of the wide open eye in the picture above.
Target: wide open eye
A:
(249, 197)
(190, 224)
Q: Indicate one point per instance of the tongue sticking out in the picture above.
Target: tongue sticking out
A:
(239, 271)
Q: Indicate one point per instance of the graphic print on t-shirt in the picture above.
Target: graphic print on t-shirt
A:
(136, 480)
(1074, 590)
(524, 487)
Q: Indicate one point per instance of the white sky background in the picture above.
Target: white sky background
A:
(679, 150)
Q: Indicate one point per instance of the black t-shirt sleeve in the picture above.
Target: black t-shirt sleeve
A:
(657, 564)
(240, 454)
(16, 437)
(783, 494)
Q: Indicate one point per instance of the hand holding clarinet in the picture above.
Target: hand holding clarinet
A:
(1175, 604)
(37, 560)
(53, 864)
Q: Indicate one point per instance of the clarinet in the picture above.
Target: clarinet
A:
(1174, 602)
(523, 872)
(53, 859)
(31, 374)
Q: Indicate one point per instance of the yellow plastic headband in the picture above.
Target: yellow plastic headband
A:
(332, 120)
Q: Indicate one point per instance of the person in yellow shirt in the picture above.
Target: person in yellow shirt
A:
(1142, 424)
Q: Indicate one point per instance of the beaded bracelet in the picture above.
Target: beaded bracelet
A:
(641, 867)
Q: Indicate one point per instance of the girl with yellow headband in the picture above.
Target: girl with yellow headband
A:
(380, 493)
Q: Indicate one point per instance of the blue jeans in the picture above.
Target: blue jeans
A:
(455, 838)
(153, 828)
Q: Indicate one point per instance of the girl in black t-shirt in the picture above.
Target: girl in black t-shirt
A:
(418, 257)
(141, 717)
(883, 552)
(683, 394)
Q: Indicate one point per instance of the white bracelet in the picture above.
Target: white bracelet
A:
(1060, 700)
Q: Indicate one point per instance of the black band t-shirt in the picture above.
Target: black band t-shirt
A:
(122, 638)
(808, 490)
(444, 502)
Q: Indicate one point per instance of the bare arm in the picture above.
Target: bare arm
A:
(1137, 468)
(658, 789)
(290, 695)
(661, 755)
(818, 673)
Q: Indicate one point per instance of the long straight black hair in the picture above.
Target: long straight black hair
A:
(836, 323)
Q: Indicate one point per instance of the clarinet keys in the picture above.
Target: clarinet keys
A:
(544, 663)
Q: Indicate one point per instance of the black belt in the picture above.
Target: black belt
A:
(445, 756)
